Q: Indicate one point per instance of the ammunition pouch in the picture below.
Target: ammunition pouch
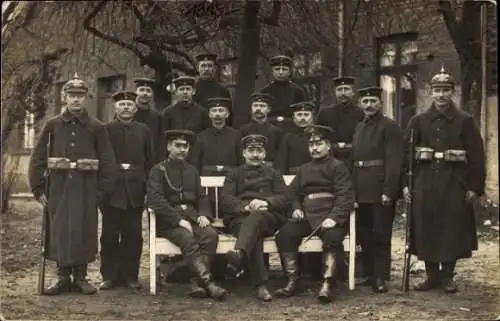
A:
(449, 155)
(63, 163)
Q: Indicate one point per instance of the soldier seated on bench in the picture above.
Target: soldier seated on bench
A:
(250, 212)
(322, 197)
(174, 194)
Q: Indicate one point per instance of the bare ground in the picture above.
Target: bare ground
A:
(477, 300)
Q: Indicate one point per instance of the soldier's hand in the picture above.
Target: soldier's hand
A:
(406, 194)
(328, 223)
(386, 200)
(356, 205)
(203, 221)
(43, 199)
(470, 195)
(298, 215)
(185, 224)
(256, 204)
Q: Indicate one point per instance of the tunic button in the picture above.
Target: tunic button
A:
(72, 133)
(72, 144)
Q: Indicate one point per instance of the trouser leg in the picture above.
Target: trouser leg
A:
(332, 239)
(110, 243)
(383, 217)
(131, 243)
(364, 232)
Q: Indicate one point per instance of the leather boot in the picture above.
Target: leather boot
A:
(200, 267)
(290, 265)
(263, 293)
(447, 274)
(326, 291)
(62, 284)
(80, 282)
(235, 260)
(197, 291)
(432, 280)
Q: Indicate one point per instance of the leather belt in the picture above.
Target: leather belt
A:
(126, 166)
(280, 119)
(63, 163)
(315, 196)
(369, 163)
(343, 145)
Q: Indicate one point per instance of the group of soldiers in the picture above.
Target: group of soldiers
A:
(344, 157)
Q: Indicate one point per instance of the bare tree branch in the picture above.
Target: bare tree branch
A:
(87, 25)
(273, 18)
(446, 9)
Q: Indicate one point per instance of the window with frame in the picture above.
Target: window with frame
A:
(396, 74)
(307, 64)
(106, 87)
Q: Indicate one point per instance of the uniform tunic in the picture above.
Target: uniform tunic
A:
(293, 151)
(152, 119)
(326, 175)
(273, 134)
(443, 222)
(73, 194)
(209, 88)
(285, 93)
(187, 116)
(215, 146)
(121, 238)
(343, 119)
(241, 186)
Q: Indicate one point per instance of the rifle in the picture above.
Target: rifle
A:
(44, 239)
(407, 254)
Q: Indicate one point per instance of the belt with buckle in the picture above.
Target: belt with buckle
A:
(280, 119)
(369, 163)
(182, 206)
(343, 145)
(315, 196)
(126, 166)
(216, 168)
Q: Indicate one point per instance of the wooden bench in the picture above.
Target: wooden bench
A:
(162, 246)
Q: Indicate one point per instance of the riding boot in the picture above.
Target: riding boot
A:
(200, 267)
(326, 292)
(447, 274)
(290, 265)
(432, 280)
(80, 282)
(62, 284)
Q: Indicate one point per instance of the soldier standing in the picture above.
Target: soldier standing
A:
(148, 114)
(450, 173)
(284, 91)
(185, 114)
(377, 158)
(217, 149)
(322, 197)
(260, 125)
(342, 118)
(81, 165)
(294, 151)
(250, 212)
(207, 86)
(121, 238)
(174, 194)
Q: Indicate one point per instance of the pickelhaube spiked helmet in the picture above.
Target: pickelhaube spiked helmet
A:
(442, 79)
(75, 85)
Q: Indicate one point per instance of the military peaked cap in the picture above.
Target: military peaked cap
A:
(75, 85)
(259, 141)
(219, 102)
(282, 60)
(263, 97)
(370, 91)
(125, 95)
(184, 81)
(144, 82)
(339, 81)
(179, 134)
(206, 57)
(442, 79)
(319, 132)
(303, 106)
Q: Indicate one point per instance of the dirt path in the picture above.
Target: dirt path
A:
(478, 299)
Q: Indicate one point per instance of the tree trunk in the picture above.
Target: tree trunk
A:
(247, 66)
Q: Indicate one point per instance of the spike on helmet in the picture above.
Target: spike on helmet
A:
(442, 78)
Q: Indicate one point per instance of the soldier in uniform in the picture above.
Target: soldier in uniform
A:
(217, 149)
(185, 114)
(449, 174)
(250, 210)
(80, 164)
(121, 238)
(322, 197)
(260, 125)
(174, 194)
(378, 151)
(284, 91)
(342, 118)
(207, 86)
(294, 149)
(148, 114)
